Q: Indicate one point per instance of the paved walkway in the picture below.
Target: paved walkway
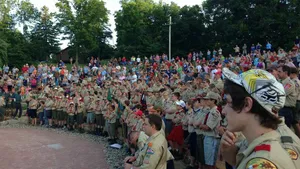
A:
(42, 149)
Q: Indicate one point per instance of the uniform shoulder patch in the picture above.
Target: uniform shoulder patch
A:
(287, 86)
(293, 154)
(260, 163)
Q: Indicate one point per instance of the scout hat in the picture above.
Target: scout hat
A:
(262, 86)
(213, 96)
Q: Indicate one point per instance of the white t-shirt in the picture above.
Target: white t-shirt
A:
(133, 78)
(138, 60)
(213, 73)
(199, 68)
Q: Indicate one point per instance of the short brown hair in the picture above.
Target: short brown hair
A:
(238, 95)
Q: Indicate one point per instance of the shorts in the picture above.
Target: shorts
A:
(200, 149)
(65, 115)
(193, 144)
(79, 118)
(32, 113)
(54, 114)
(176, 135)
(70, 120)
(100, 121)
(211, 148)
(60, 115)
(49, 114)
(90, 118)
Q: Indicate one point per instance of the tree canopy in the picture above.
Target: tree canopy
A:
(29, 34)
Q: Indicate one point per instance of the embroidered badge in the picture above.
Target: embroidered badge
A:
(287, 86)
(150, 144)
(150, 151)
(260, 163)
(293, 154)
(146, 161)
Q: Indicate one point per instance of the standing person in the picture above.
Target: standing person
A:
(32, 110)
(211, 122)
(40, 111)
(90, 114)
(154, 152)
(18, 104)
(79, 112)
(253, 100)
(291, 94)
(245, 49)
(294, 77)
(71, 112)
(48, 111)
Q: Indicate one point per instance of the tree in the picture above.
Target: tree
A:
(44, 35)
(82, 21)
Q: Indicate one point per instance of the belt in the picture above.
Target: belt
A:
(298, 100)
(168, 120)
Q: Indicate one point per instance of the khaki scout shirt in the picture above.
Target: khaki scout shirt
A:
(213, 122)
(290, 92)
(170, 105)
(264, 152)
(155, 152)
(199, 118)
(177, 118)
(71, 111)
(191, 119)
(297, 86)
(112, 118)
(80, 108)
(98, 108)
(33, 104)
(140, 144)
(2, 102)
(48, 104)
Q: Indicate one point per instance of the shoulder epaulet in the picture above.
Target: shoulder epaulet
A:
(263, 147)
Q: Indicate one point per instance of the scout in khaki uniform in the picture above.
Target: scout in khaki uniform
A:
(79, 118)
(32, 110)
(294, 77)
(65, 105)
(111, 117)
(154, 154)
(170, 110)
(71, 113)
(48, 107)
(291, 95)
(90, 114)
(54, 110)
(201, 111)
(257, 90)
(211, 123)
(59, 109)
(98, 116)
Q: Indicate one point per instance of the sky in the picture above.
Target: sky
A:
(112, 6)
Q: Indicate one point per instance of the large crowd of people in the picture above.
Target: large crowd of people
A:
(197, 108)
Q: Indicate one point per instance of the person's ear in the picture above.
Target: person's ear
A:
(248, 104)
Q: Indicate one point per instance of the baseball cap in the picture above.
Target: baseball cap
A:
(262, 86)
(180, 103)
(214, 96)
